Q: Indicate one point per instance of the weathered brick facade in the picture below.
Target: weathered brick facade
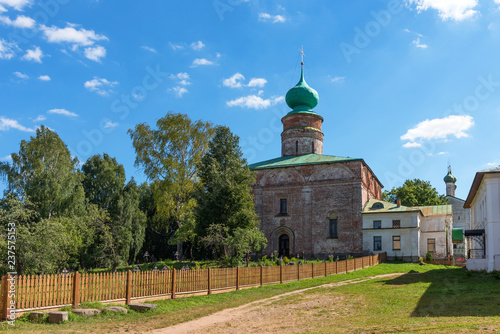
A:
(315, 194)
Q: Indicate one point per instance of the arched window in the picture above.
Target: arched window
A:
(297, 147)
(312, 147)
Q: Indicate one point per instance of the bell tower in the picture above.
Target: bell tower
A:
(301, 126)
(450, 180)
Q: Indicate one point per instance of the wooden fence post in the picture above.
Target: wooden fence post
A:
(312, 270)
(6, 297)
(173, 284)
(281, 274)
(129, 287)
(76, 289)
(298, 272)
(261, 275)
(336, 267)
(209, 281)
(326, 272)
(237, 278)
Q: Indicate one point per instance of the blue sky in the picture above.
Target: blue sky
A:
(405, 85)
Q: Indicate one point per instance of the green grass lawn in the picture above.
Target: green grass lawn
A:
(428, 298)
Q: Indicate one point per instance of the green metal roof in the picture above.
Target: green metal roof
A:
(457, 234)
(387, 207)
(298, 160)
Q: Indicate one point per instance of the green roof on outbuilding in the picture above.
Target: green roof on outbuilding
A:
(378, 206)
(298, 160)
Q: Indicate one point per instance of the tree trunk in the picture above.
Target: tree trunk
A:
(179, 251)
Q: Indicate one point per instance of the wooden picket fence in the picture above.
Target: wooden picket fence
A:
(36, 292)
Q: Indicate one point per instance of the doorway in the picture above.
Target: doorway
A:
(284, 245)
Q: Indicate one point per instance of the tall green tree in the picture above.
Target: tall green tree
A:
(122, 231)
(41, 246)
(45, 172)
(226, 218)
(170, 155)
(103, 180)
(45, 198)
(414, 193)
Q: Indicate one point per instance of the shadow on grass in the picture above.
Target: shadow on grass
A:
(454, 292)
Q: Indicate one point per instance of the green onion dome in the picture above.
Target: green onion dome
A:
(450, 177)
(301, 97)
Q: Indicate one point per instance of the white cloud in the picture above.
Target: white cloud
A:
(201, 62)
(109, 124)
(457, 10)
(176, 47)
(40, 118)
(257, 82)
(338, 79)
(100, 85)
(44, 78)
(182, 79)
(179, 91)
(63, 112)
(412, 32)
(7, 158)
(197, 45)
(269, 17)
(7, 49)
(150, 49)
(2, 9)
(35, 55)
(254, 102)
(71, 34)
(21, 75)
(417, 43)
(180, 76)
(7, 124)
(438, 128)
(411, 144)
(493, 163)
(95, 53)
(21, 21)
(234, 81)
(16, 4)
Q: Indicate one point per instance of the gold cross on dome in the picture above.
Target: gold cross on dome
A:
(302, 52)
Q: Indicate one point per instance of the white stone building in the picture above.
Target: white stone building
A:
(407, 232)
(484, 235)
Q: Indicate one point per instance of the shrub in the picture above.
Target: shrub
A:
(428, 256)
(350, 257)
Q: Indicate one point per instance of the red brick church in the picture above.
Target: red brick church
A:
(310, 203)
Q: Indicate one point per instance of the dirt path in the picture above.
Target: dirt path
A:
(249, 315)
